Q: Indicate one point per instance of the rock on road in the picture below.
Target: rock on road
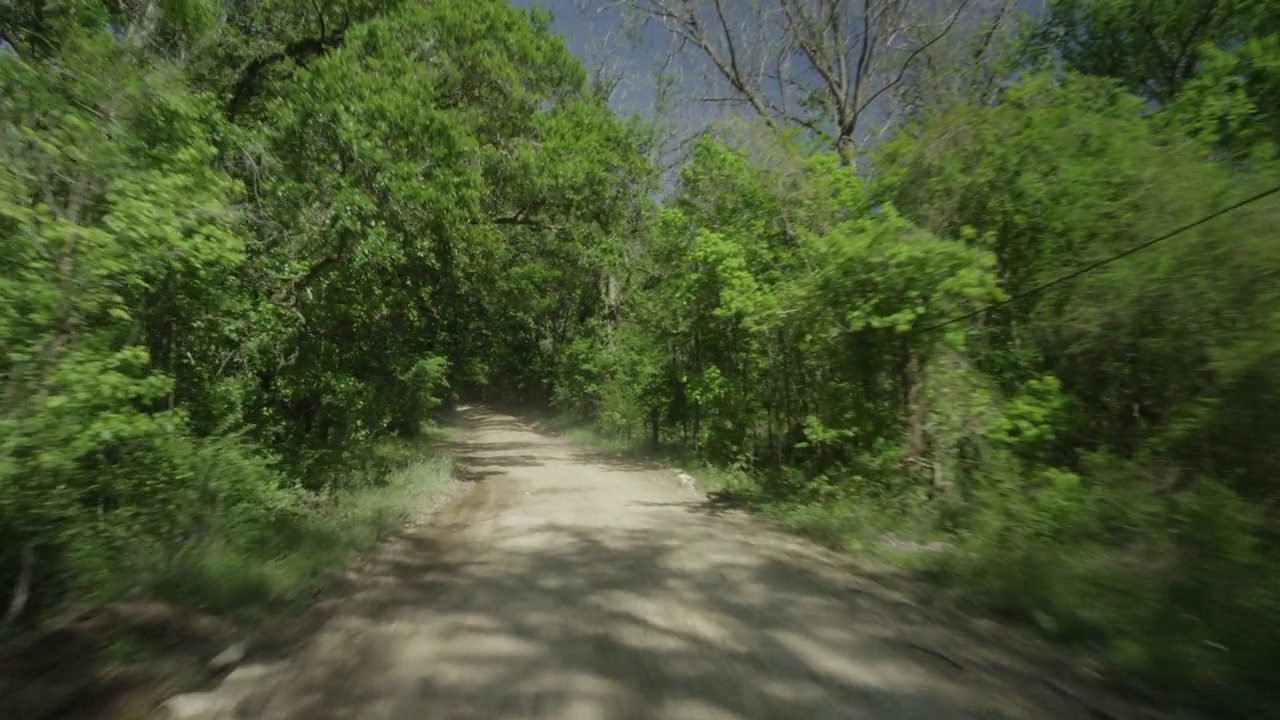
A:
(566, 587)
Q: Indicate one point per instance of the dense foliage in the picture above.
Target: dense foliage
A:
(244, 242)
(1100, 452)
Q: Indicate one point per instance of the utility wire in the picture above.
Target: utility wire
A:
(1095, 265)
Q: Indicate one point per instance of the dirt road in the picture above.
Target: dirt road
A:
(565, 587)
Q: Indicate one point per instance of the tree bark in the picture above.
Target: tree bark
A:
(912, 399)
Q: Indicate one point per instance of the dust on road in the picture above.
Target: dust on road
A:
(567, 587)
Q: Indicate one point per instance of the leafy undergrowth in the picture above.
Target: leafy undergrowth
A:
(844, 524)
(240, 577)
(115, 661)
(115, 653)
(1051, 566)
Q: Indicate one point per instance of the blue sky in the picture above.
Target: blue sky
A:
(577, 26)
(597, 36)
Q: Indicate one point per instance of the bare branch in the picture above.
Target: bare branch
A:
(865, 53)
(820, 54)
(822, 65)
(906, 64)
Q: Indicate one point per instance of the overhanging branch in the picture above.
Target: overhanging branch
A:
(300, 52)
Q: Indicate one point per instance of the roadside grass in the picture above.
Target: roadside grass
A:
(860, 528)
(246, 574)
(1101, 598)
(147, 616)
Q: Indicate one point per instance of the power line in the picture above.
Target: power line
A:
(1095, 265)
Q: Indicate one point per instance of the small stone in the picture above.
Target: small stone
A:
(195, 706)
(231, 656)
(250, 675)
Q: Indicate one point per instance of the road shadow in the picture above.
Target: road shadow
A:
(480, 458)
(598, 616)
(109, 661)
(621, 460)
(544, 622)
(712, 505)
(468, 474)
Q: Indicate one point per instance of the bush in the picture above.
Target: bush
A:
(1142, 576)
(268, 561)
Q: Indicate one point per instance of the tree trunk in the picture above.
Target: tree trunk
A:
(697, 405)
(909, 372)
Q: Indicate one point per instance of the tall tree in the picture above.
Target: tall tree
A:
(832, 67)
(1153, 47)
